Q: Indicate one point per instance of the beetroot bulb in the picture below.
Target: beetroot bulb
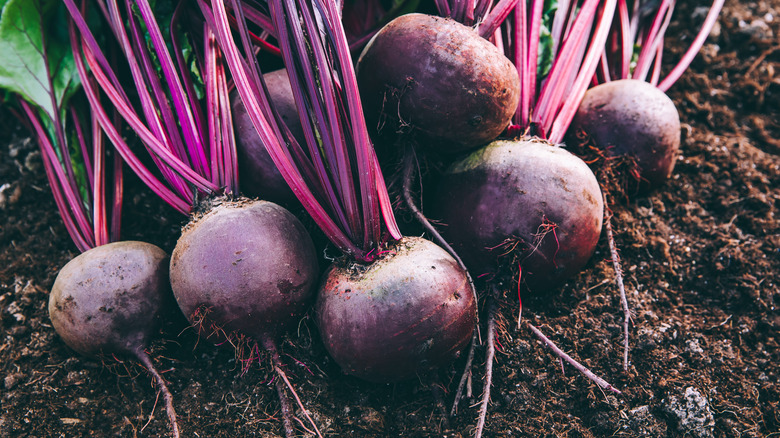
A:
(632, 118)
(439, 80)
(627, 114)
(109, 301)
(244, 268)
(523, 202)
(408, 312)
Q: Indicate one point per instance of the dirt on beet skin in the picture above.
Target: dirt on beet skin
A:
(702, 267)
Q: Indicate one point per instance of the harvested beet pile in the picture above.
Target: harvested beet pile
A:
(701, 256)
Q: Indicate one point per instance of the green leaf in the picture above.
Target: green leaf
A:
(544, 57)
(37, 62)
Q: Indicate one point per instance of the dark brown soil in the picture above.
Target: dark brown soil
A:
(702, 266)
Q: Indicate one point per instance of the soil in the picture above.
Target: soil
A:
(702, 266)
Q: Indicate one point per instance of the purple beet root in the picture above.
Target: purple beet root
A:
(633, 118)
(408, 312)
(523, 201)
(108, 300)
(244, 267)
(440, 80)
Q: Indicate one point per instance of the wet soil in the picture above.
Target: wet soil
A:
(702, 266)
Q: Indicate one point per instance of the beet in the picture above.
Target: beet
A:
(439, 79)
(258, 174)
(244, 267)
(108, 300)
(523, 201)
(410, 311)
(633, 118)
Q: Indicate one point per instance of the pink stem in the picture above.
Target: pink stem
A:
(692, 51)
(572, 102)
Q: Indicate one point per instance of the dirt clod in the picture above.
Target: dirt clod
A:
(692, 412)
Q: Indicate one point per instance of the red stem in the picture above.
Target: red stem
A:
(68, 201)
(100, 226)
(340, 167)
(116, 210)
(626, 44)
(692, 51)
(112, 132)
(587, 68)
(653, 39)
(186, 119)
(267, 129)
(495, 17)
(159, 115)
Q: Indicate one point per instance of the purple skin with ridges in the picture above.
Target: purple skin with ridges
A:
(245, 267)
(634, 118)
(522, 201)
(438, 77)
(108, 300)
(258, 174)
(408, 312)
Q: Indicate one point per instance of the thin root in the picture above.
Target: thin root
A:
(410, 158)
(618, 279)
(438, 397)
(284, 400)
(465, 377)
(490, 355)
(162, 388)
(578, 366)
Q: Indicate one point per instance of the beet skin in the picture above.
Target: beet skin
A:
(440, 79)
(523, 201)
(245, 267)
(109, 299)
(410, 311)
(634, 118)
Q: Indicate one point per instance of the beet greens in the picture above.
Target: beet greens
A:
(337, 177)
(39, 69)
(636, 43)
